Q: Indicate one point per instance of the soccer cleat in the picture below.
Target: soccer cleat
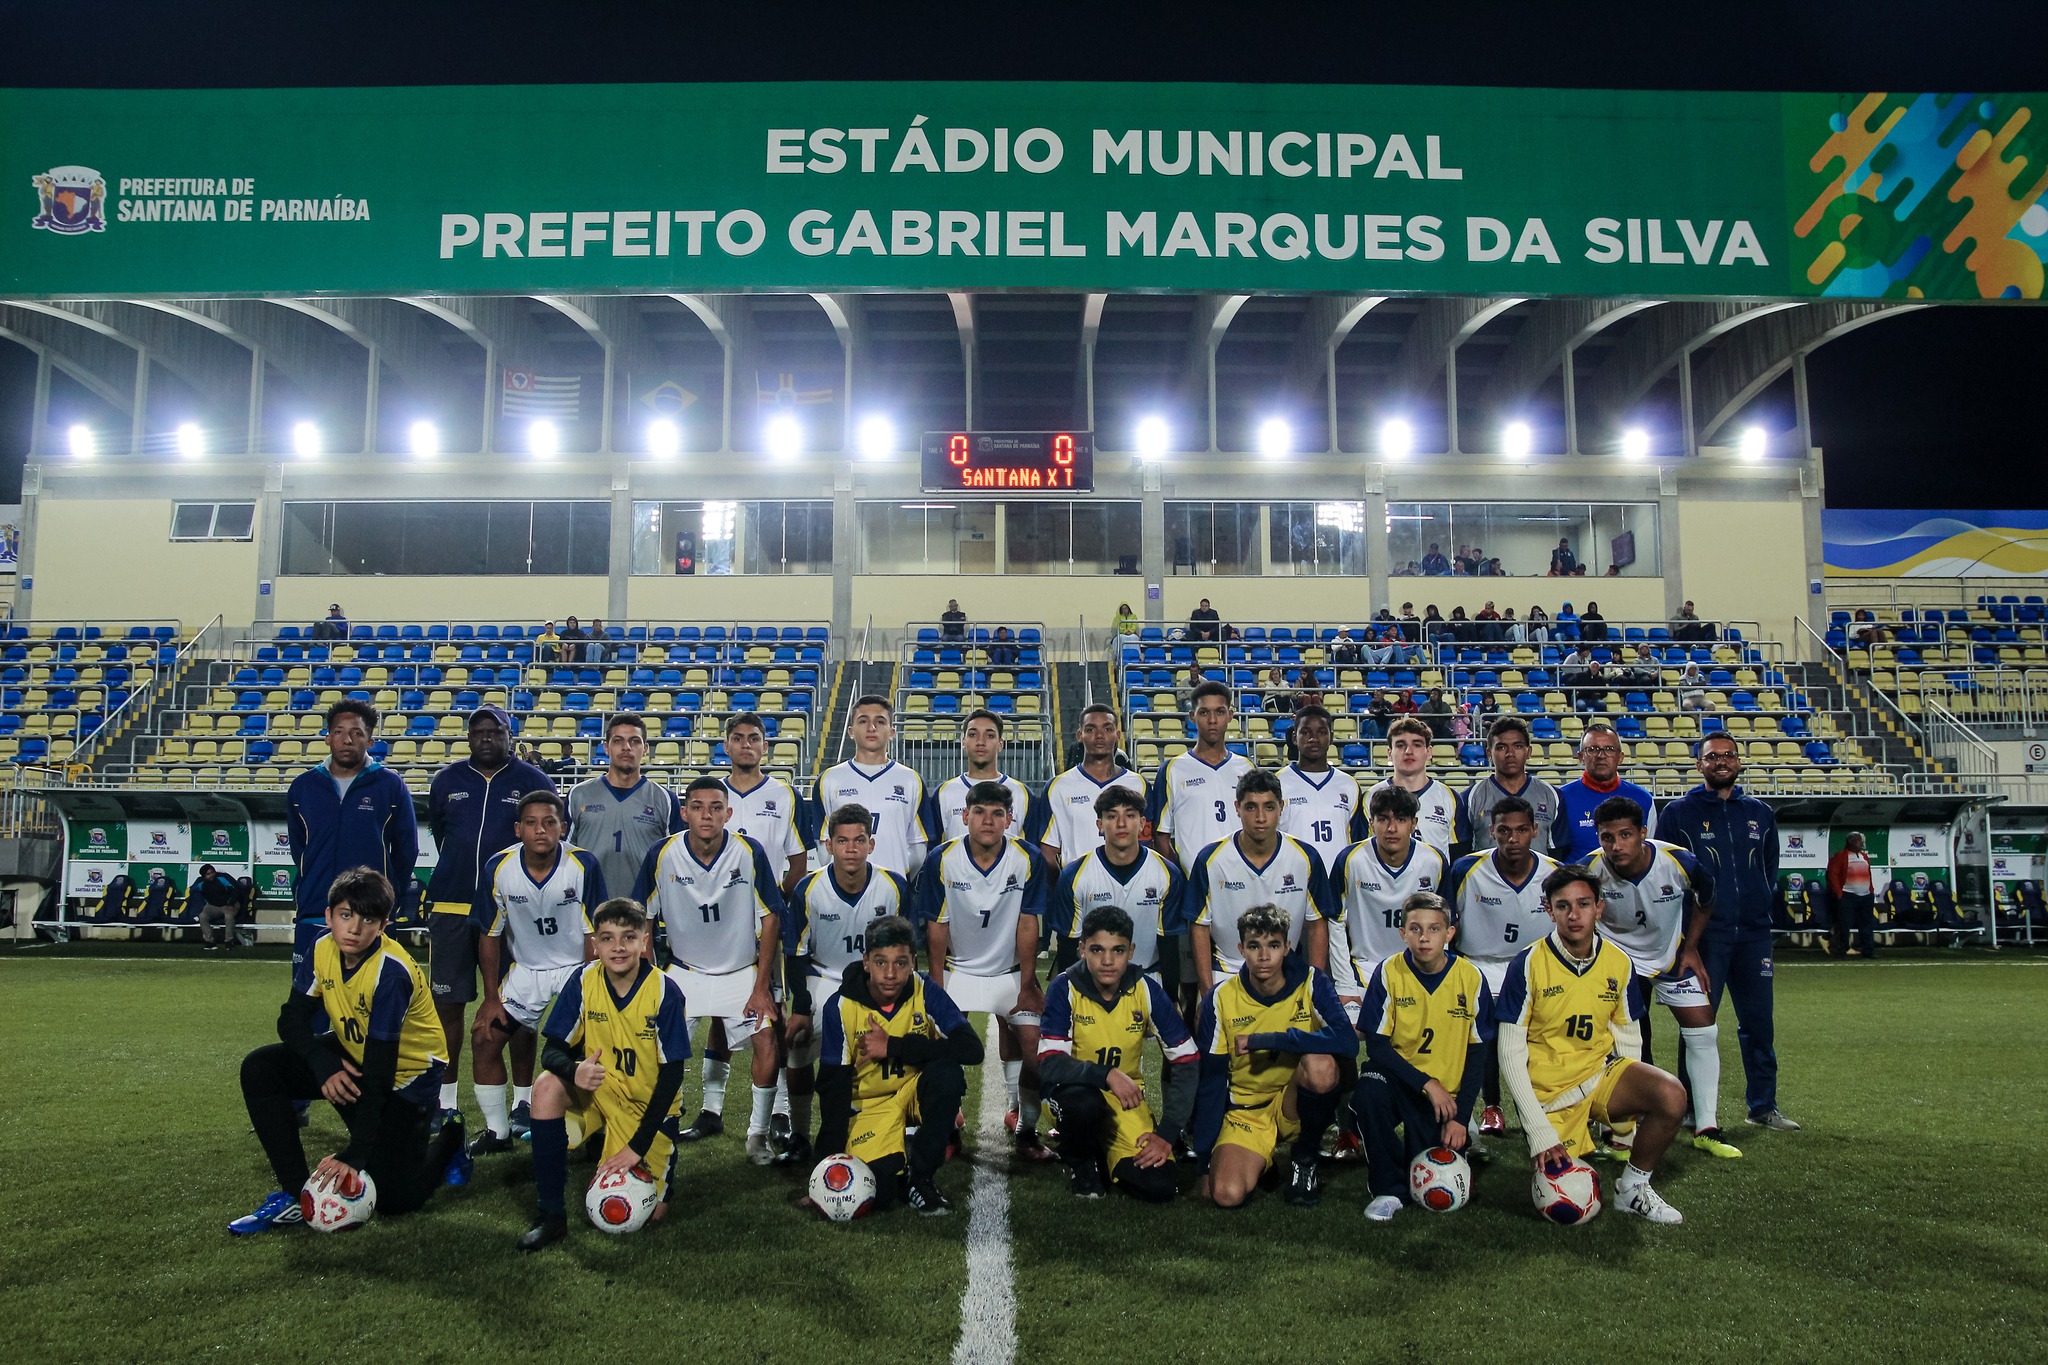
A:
(758, 1150)
(489, 1143)
(1304, 1184)
(1710, 1141)
(707, 1125)
(797, 1153)
(278, 1210)
(779, 1134)
(1383, 1209)
(522, 1121)
(1492, 1121)
(461, 1166)
(1085, 1181)
(1776, 1120)
(551, 1229)
(1010, 1120)
(1029, 1148)
(1347, 1148)
(1646, 1203)
(212, 947)
(926, 1199)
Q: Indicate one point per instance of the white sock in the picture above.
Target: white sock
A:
(1027, 1109)
(764, 1104)
(782, 1093)
(1703, 1069)
(448, 1094)
(1629, 1178)
(800, 1115)
(715, 1069)
(497, 1113)
(1013, 1073)
(522, 1094)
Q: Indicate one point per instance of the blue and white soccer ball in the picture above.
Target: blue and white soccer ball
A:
(1439, 1180)
(843, 1188)
(1567, 1192)
(343, 1204)
(621, 1202)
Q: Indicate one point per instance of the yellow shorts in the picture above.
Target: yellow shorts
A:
(1570, 1122)
(1126, 1126)
(878, 1124)
(1259, 1128)
(589, 1115)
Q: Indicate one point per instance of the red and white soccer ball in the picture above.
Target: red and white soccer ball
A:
(1567, 1192)
(843, 1188)
(345, 1203)
(621, 1202)
(1439, 1180)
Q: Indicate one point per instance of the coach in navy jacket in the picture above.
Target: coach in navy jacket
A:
(1736, 837)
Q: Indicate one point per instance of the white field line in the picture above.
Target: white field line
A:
(988, 1306)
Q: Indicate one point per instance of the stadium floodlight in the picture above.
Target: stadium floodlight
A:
(542, 439)
(877, 438)
(1397, 438)
(306, 440)
(1515, 440)
(1276, 438)
(785, 437)
(425, 438)
(1754, 443)
(83, 447)
(664, 439)
(1152, 438)
(191, 440)
(1635, 444)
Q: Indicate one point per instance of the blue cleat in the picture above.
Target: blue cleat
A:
(460, 1166)
(279, 1210)
(522, 1121)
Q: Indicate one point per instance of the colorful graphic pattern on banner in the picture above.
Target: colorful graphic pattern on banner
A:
(1861, 543)
(958, 185)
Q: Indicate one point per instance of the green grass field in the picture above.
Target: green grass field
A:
(1906, 1223)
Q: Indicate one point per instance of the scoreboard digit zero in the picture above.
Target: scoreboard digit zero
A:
(1009, 462)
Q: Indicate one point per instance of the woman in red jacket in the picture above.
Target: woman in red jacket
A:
(1851, 897)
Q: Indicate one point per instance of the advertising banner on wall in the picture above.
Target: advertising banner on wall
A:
(1802, 846)
(957, 185)
(1882, 543)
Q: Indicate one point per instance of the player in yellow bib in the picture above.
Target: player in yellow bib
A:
(1571, 1045)
(892, 1054)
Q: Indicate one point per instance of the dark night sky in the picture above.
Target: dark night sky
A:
(1926, 411)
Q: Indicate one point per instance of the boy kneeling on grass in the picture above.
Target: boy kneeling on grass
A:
(365, 1038)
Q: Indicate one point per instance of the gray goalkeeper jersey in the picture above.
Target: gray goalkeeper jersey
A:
(621, 826)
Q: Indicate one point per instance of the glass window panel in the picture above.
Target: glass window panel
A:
(234, 521)
(509, 534)
(1316, 538)
(590, 539)
(1213, 537)
(648, 557)
(191, 520)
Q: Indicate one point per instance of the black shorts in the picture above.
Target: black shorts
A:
(451, 965)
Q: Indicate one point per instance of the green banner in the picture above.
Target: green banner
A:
(220, 843)
(950, 185)
(103, 840)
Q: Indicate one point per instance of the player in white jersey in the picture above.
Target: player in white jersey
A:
(893, 793)
(1258, 865)
(981, 745)
(1193, 801)
(982, 901)
(1439, 818)
(1140, 881)
(1072, 825)
(1371, 883)
(1507, 744)
(621, 813)
(1319, 805)
(824, 932)
(537, 896)
(1498, 900)
(1656, 901)
(715, 895)
(764, 807)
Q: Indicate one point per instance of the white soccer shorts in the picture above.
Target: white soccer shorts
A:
(1680, 991)
(722, 996)
(995, 995)
(526, 990)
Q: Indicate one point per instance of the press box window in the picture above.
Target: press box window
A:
(213, 521)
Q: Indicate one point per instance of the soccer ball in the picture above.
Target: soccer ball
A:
(621, 1203)
(1439, 1180)
(843, 1188)
(1567, 1192)
(344, 1204)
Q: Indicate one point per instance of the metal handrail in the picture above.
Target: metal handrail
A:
(859, 688)
(1827, 651)
(158, 689)
(1954, 743)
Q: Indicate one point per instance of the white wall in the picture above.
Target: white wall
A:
(108, 559)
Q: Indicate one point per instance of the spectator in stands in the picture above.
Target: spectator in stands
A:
(1539, 626)
(1436, 712)
(1641, 672)
(1002, 648)
(1404, 703)
(598, 648)
(1306, 691)
(1277, 688)
(1204, 623)
(572, 641)
(1852, 901)
(1592, 625)
(1411, 628)
(1692, 688)
(1462, 629)
(1490, 628)
(1492, 568)
(1613, 571)
(1574, 838)
(547, 646)
(1434, 564)
(334, 627)
(1688, 626)
(952, 621)
(1864, 629)
(1344, 650)
(1563, 562)
(1567, 623)
(216, 898)
(1434, 627)
(1126, 623)
(1465, 562)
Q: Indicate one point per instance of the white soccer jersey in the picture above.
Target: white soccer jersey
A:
(1645, 915)
(981, 907)
(1149, 889)
(1323, 810)
(711, 911)
(1497, 918)
(1369, 894)
(769, 815)
(894, 796)
(948, 820)
(830, 927)
(1070, 810)
(1224, 884)
(543, 921)
(1436, 823)
(1195, 803)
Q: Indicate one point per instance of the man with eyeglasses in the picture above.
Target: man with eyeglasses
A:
(1573, 837)
(1736, 837)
